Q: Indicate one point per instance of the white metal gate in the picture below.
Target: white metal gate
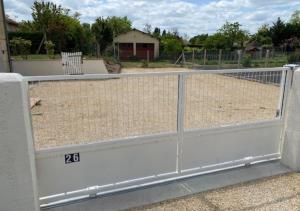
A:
(72, 63)
(201, 122)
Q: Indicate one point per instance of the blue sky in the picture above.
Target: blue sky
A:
(188, 16)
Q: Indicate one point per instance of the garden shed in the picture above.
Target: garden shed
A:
(136, 44)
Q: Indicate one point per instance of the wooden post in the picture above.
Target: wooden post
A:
(204, 57)
(267, 57)
(239, 52)
(183, 58)
(193, 58)
(220, 58)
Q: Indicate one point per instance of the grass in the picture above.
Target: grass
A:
(272, 62)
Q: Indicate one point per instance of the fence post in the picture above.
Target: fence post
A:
(204, 57)
(267, 57)
(220, 58)
(239, 52)
(291, 115)
(193, 58)
(18, 184)
(180, 118)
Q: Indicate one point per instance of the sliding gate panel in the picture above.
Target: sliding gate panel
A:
(98, 134)
(105, 164)
(231, 119)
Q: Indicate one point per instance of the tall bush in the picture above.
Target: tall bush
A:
(49, 46)
(20, 46)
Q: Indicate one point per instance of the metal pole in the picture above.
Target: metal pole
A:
(5, 65)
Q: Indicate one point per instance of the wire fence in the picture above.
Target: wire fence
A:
(82, 111)
(213, 100)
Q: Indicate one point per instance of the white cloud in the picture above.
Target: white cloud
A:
(191, 17)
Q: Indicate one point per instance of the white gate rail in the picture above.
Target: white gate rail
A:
(200, 144)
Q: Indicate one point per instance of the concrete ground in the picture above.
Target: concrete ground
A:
(274, 193)
(265, 186)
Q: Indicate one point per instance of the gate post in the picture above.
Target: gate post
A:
(18, 184)
(291, 136)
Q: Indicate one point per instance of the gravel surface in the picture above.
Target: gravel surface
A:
(73, 112)
(278, 193)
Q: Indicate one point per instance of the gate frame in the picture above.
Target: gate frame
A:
(19, 141)
(181, 133)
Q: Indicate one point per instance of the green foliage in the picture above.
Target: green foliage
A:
(119, 25)
(49, 46)
(156, 32)
(103, 33)
(294, 58)
(262, 37)
(45, 13)
(295, 18)
(216, 41)
(199, 39)
(278, 32)
(34, 37)
(145, 64)
(246, 61)
(20, 46)
(171, 45)
(234, 35)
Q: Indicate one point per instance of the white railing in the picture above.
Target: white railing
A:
(132, 130)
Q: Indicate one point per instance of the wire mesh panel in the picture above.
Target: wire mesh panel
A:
(213, 100)
(81, 111)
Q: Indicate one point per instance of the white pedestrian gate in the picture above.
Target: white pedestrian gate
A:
(152, 128)
(72, 63)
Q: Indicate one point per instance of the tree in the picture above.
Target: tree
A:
(172, 45)
(216, 41)
(278, 32)
(199, 39)
(103, 34)
(20, 46)
(295, 18)
(156, 32)
(147, 28)
(119, 25)
(43, 14)
(262, 37)
(87, 38)
(233, 34)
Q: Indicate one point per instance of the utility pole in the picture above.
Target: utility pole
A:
(5, 65)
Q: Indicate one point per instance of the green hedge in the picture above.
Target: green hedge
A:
(34, 37)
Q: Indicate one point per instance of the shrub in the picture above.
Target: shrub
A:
(294, 58)
(34, 37)
(145, 64)
(49, 46)
(246, 62)
(20, 46)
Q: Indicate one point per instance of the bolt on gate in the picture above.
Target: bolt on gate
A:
(99, 134)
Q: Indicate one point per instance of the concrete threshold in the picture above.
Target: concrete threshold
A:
(179, 188)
